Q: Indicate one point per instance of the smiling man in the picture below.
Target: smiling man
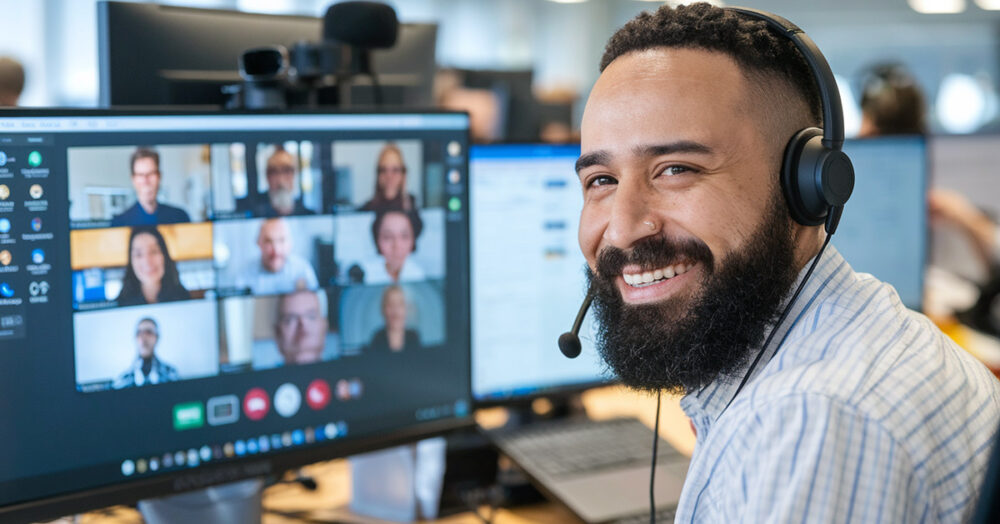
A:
(858, 409)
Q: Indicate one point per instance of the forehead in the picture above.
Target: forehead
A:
(146, 324)
(390, 155)
(281, 157)
(300, 301)
(395, 222)
(274, 228)
(144, 240)
(663, 95)
(144, 163)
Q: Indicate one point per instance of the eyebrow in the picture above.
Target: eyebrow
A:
(603, 157)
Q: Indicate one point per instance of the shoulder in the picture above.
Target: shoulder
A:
(123, 218)
(171, 214)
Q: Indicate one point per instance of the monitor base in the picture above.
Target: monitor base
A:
(235, 502)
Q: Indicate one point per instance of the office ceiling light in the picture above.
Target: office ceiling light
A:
(989, 5)
(961, 104)
(937, 6)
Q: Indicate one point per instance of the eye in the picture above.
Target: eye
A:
(677, 169)
(601, 180)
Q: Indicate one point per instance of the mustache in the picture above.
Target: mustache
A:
(653, 252)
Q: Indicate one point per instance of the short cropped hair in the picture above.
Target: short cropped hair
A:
(759, 51)
(144, 152)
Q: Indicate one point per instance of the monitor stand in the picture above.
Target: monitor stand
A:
(235, 502)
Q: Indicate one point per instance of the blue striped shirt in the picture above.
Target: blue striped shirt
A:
(868, 413)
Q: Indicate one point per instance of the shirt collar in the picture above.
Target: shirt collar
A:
(705, 405)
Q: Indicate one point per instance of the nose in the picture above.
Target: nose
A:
(633, 214)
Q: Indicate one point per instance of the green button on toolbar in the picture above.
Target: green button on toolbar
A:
(189, 415)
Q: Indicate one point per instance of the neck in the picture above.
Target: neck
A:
(151, 292)
(396, 338)
(148, 207)
(808, 241)
(393, 271)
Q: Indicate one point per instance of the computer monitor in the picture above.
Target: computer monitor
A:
(884, 227)
(527, 273)
(183, 303)
(151, 54)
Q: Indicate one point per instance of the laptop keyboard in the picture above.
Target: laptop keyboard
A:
(568, 447)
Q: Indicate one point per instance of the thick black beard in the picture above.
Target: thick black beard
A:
(685, 343)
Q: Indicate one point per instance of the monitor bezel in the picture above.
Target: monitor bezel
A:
(268, 466)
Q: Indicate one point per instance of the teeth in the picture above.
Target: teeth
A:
(648, 277)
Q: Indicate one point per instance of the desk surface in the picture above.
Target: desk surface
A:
(329, 501)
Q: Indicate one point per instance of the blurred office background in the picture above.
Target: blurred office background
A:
(950, 46)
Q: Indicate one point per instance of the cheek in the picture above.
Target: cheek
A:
(592, 225)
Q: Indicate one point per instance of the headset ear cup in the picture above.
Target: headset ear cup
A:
(802, 190)
(815, 178)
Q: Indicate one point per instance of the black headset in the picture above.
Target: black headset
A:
(817, 177)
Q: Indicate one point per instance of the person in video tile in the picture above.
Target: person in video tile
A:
(390, 183)
(279, 270)
(151, 275)
(395, 234)
(394, 337)
(146, 368)
(282, 179)
(300, 330)
(148, 210)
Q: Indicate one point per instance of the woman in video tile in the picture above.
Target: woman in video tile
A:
(151, 275)
(390, 183)
(395, 234)
(394, 337)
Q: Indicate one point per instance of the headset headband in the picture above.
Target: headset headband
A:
(833, 111)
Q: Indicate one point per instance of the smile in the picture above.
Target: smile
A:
(646, 278)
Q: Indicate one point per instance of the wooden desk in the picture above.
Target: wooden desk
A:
(329, 501)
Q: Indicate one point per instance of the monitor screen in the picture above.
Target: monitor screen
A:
(190, 298)
(527, 272)
(884, 227)
(153, 54)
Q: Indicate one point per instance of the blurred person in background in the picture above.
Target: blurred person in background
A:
(892, 103)
(11, 81)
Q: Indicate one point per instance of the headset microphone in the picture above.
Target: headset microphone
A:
(569, 342)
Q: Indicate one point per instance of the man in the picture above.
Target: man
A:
(147, 368)
(859, 409)
(148, 211)
(11, 81)
(300, 330)
(278, 270)
(282, 179)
